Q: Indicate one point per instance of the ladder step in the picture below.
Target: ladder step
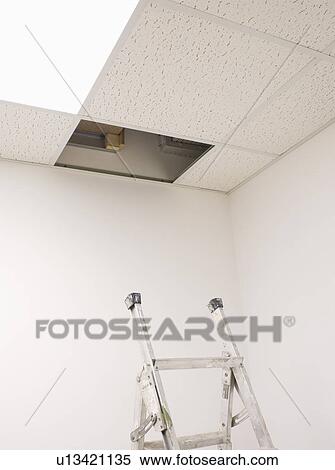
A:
(197, 363)
(190, 442)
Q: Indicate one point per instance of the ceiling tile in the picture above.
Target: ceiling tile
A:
(33, 134)
(182, 75)
(193, 175)
(295, 65)
(311, 21)
(293, 114)
(225, 168)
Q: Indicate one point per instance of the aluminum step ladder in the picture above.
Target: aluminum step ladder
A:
(152, 410)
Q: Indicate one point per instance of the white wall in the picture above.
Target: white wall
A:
(284, 232)
(73, 245)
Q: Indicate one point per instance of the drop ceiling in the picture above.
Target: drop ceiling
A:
(33, 134)
(253, 78)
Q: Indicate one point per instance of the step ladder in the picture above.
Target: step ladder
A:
(152, 411)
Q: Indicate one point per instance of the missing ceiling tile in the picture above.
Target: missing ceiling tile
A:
(106, 148)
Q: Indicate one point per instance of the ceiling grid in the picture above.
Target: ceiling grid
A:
(192, 69)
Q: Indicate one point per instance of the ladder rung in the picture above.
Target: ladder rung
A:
(197, 363)
(190, 442)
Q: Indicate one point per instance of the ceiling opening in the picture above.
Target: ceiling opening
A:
(106, 148)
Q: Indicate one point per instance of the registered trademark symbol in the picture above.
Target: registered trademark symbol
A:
(289, 321)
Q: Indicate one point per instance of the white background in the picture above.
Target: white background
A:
(287, 459)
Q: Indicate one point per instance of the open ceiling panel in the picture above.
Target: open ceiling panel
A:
(122, 151)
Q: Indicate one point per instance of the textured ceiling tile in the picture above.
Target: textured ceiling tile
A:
(294, 114)
(33, 134)
(322, 27)
(311, 20)
(193, 174)
(225, 168)
(295, 64)
(229, 167)
(232, 168)
(184, 75)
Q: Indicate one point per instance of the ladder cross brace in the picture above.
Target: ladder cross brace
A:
(152, 409)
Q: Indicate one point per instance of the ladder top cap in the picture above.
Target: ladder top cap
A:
(215, 303)
(132, 299)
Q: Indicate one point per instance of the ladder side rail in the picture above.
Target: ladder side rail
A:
(249, 400)
(150, 360)
(139, 417)
(242, 382)
(133, 302)
(227, 408)
(216, 308)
